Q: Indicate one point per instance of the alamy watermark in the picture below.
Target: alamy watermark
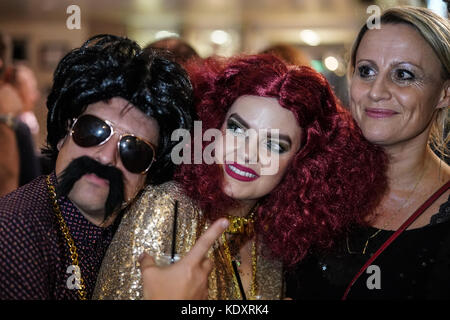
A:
(249, 147)
(373, 21)
(74, 20)
(374, 280)
(74, 280)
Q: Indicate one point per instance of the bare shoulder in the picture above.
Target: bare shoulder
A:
(438, 178)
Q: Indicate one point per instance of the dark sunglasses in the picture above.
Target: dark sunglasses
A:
(136, 154)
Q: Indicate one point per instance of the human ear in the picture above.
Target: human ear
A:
(63, 140)
(444, 100)
(61, 143)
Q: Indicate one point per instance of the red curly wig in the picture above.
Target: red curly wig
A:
(334, 181)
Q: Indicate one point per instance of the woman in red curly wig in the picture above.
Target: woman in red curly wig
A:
(328, 178)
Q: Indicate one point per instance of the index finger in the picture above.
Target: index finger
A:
(201, 247)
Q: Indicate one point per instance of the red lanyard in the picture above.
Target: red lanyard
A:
(402, 228)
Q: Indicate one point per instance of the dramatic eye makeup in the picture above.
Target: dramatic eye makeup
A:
(365, 71)
(277, 146)
(280, 145)
(402, 73)
(407, 73)
(239, 127)
(236, 125)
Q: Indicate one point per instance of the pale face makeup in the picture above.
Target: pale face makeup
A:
(397, 85)
(90, 192)
(245, 157)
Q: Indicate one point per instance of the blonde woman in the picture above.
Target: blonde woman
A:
(400, 95)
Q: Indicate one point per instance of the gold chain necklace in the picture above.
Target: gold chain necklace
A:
(389, 220)
(242, 225)
(65, 230)
(253, 286)
(365, 245)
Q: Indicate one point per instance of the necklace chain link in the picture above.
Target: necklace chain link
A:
(65, 230)
(243, 226)
(390, 218)
(253, 286)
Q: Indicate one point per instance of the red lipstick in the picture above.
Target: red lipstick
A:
(240, 172)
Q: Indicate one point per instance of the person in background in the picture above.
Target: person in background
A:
(26, 126)
(294, 55)
(289, 53)
(10, 106)
(182, 51)
(400, 96)
(24, 80)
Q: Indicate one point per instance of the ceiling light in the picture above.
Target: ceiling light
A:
(310, 37)
(220, 37)
(331, 63)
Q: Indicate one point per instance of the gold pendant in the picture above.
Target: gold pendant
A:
(240, 225)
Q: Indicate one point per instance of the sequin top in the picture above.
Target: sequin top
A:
(147, 226)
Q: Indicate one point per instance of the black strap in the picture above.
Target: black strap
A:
(402, 228)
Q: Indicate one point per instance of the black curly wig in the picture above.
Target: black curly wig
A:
(108, 66)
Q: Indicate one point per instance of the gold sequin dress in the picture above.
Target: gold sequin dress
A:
(147, 226)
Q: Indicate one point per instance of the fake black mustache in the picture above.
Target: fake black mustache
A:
(84, 165)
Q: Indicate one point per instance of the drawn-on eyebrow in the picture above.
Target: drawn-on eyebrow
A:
(241, 121)
(282, 137)
(237, 118)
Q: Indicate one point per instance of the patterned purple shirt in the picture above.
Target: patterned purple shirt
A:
(34, 255)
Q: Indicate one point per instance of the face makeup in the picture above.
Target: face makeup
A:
(240, 172)
(249, 146)
(396, 86)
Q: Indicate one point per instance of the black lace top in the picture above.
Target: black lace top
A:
(415, 266)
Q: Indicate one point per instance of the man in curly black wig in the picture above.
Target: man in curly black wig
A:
(111, 113)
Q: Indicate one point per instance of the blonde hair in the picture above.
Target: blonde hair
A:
(435, 30)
